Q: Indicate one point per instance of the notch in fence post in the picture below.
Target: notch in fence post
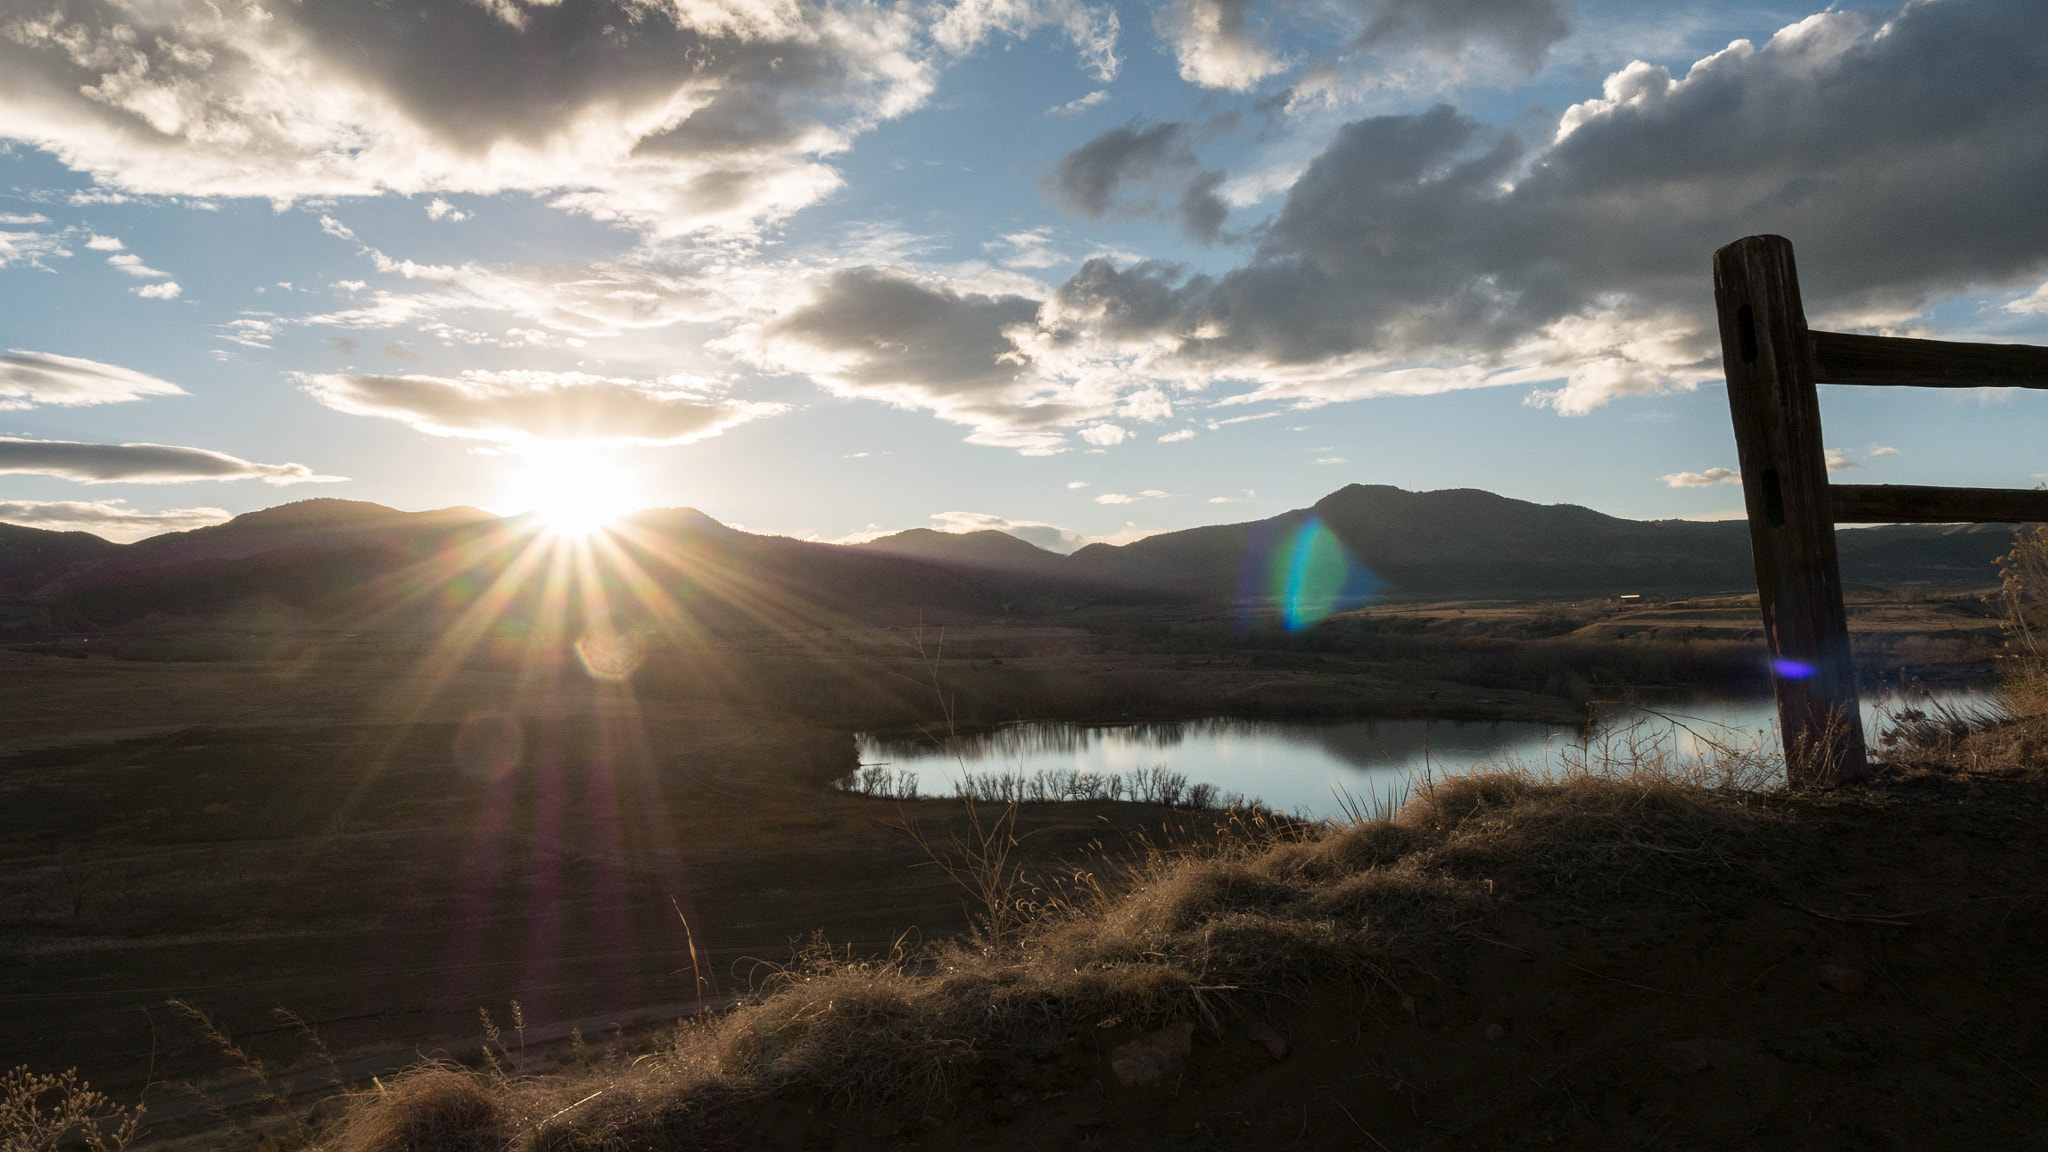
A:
(1776, 410)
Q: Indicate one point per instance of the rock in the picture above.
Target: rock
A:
(1847, 981)
(1263, 1033)
(1148, 1059)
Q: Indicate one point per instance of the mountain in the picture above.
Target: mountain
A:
(31, 558)
(377, 566)
(1466, 542)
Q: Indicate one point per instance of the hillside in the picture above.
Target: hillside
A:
(320, 558)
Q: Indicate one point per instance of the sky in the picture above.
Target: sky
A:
(1077, 271)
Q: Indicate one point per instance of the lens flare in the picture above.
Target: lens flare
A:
(1307, 572)
(1793, 669)
(611, 655)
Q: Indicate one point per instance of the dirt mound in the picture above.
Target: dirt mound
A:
(1596, 964)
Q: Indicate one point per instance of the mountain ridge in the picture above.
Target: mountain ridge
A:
(1374, 541)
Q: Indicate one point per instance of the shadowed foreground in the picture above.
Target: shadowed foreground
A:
(1606, 962)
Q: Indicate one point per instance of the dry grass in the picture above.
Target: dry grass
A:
(1233, 908)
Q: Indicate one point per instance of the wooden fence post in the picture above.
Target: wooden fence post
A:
(1771, 395)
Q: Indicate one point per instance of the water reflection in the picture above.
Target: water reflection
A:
(1308, 767)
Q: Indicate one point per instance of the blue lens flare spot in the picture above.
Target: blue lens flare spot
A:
(1307, 573)
(1793, 669)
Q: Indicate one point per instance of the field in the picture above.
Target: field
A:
(338, 826)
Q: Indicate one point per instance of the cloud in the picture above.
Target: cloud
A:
(1331, 460)
(603, 298)
(1078, 105)
(1157, 156)
(1523, 30)
(28, 248)
(168, 290)
(1105, 435)
(526, 406)
(1214, 45)
(1046, 536)
(669, 116)
(1837, 460)
(140, 464)
(1428, 252)
(1707, 479)
(1877, 450)
(30, 378)
(129, 262)
(1073, 484)
(1178, 437)
(885, 335)
(108, 518)
(965, 24)
(1122, 498)
(1217, 44)
(439, 209)
(104, 244)
(1028, 249)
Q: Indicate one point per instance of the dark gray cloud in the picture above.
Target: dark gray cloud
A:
(1522, 29)
(520, 406)
(886, 336)
(31, 378)
(1903, 156)
(140, 464)
(1221, 44)
(1156, 158)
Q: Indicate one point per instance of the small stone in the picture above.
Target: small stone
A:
(1263, 1033)
(1496, 1032)
(1149, 1058)
(1847, 981)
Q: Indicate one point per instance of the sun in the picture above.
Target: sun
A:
(573, 491)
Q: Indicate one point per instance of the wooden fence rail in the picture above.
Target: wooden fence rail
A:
(1773, 363)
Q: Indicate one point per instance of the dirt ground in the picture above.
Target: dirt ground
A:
(1853, 970)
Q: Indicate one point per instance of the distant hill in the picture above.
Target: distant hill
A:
(31, 558)
(370, 563)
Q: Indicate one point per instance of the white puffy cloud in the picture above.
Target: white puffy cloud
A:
(528, 406)
(168, 290)
(671, 116)
(1706, 479)
(1214, 45)
(109, 518)
(439, 209)
(1177, 437)
(31, 378)
(1837, 460)
(140, 464)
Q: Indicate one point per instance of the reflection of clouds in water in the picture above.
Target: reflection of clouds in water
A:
(1296, 766)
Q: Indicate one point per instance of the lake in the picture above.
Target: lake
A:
(1309, 768)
